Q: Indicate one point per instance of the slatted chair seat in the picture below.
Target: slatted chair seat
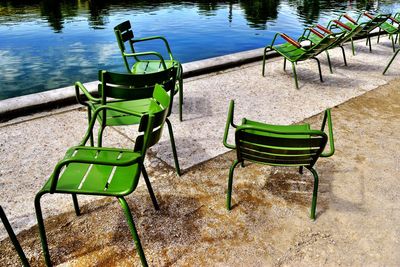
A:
(96, 179)
(278, 145)
(151, 66)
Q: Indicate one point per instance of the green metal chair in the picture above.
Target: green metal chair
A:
(295, 52)
(393, 29)
(129, 92)
(367, 26)
(141, 62)
(101, 171)
(278, 145)
(13, 238)
(391, 60)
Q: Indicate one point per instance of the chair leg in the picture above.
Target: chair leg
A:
(379, 35)
(91, 132)
(315, 193)
(319, 69)
(150, 189)
(344, 55)
(42, 231)
(13, 238)
(329, 61)
(230, 181)
(352, 47)
(264, 55)
(132, 228)
(180, 99)
(391, 60)
(295, 75)
(100, 136)
(301, 169)
(391, 37)
(369, 42)
(284, 64)
(76, 205)
(175, 154)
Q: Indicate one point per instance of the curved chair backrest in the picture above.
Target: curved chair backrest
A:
(325, 43)
(164, 100)
(278, 148)
(123, 86)
(124, 33)
(373, 23)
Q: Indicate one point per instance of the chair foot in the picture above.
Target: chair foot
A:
(295, 76)
(319, 69)
(301, 169)
(42, 231)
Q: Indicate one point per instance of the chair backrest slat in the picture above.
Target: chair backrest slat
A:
(271, 147)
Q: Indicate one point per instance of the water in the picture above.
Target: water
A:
(47, 44)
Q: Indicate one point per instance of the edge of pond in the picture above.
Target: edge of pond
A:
(23, 105)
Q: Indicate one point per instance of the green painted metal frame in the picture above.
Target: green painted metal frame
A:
(13, 238)
(124, 34)
(295, 52)
(275, 145)
(113, 90)
(151, 126)
(391, 60)
(367, 27)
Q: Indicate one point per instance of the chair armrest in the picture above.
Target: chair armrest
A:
(325, 30)
(229, 121)
(79, 87)
(341, 24)
(290, 40)
(394, 20)
(317, 33)
(350, 19)
(327, 118)
(149, 38)
(150, 53)
(368, 15)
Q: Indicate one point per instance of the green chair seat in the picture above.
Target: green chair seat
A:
(151, 66)
(289, 51)
(93, 179)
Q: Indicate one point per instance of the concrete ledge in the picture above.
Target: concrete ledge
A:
(23, 105)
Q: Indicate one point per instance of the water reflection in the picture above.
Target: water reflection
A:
(47, 44)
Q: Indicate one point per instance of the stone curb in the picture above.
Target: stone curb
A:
(23, 105)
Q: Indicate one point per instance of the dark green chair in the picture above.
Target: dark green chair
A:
(149, 61)
(13, 238)
(278, 145)
(294, 52)
(392, 28)
(101, 171)
(367, 22)
(129, 92)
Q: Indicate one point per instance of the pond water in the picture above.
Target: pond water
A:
(47, 44)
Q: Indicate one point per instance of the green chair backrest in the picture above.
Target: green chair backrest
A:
(124, 34)
(325, 43)
(373, 23)
(279, 148)
(134, 86)
(164, 100)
